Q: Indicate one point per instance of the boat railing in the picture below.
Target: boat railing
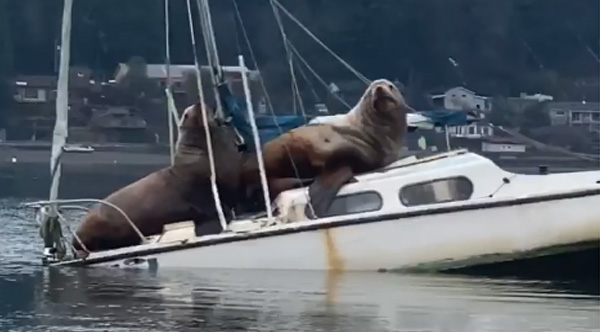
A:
(50, 219)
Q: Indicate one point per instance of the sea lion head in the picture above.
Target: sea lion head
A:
(381, 115)
(191, 152)
(383, 100)
(192, 117)
(192, 140)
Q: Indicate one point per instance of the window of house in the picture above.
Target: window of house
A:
(437, 191)
(561, 113)
(576, 116)
(30, 93)
(595, 116)
(352, 203)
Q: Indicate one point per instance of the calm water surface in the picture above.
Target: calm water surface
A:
(33, 298)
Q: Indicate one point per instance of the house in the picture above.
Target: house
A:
(461, 98)
(575, 114)
(34, 88)
(178, 73)
(524, 100)
(118, 124)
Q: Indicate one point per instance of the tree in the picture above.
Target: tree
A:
(135, 83)
(504, 114)
(535, 116)
(6, 63)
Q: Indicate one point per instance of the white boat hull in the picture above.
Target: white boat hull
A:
(444, 237)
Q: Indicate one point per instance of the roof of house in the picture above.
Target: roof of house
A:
(501, 140)
(41, 81)
(159, 71)
(462, 88)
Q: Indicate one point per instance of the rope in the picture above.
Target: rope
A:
(268, 99)
(295, 89)
(360, 76)
(259, 155)
(83, 246)
(211, 160)
(51, 232)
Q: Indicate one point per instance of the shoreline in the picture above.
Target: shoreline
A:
(25, 172)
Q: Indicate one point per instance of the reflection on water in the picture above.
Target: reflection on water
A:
(50, 299)
(96, 299)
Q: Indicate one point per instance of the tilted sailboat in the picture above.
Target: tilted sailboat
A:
(434, 212)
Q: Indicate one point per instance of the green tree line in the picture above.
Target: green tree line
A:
(493, 47)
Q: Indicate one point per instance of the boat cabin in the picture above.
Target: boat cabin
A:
(419, 182)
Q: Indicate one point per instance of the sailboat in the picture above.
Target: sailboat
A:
(432, 212)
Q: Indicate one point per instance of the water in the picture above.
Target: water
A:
(33, 298)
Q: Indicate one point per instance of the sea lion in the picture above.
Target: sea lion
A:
(176, 193)
(370, 136)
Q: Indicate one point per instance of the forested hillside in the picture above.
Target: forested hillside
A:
(501, 47)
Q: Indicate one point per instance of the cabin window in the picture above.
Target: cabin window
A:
(352, 203)
(437, 191)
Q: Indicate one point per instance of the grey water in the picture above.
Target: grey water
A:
(36, 298)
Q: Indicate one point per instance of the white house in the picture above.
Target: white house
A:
(585, 115)
(158, 72)
(461, 98)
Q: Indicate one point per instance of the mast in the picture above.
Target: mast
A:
(171, 111)
(62, 103)
(213, 173)
(257, 144)
(210, 44)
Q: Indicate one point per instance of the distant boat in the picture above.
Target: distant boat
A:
(78, 148)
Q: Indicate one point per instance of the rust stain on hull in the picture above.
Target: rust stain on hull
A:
(335, 266)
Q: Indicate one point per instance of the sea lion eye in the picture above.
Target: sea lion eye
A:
(392, 87)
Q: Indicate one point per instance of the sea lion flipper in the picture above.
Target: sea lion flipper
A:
(326, 186)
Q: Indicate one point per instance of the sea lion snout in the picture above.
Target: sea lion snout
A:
(192, 117)
(384, 91)
(386, 98)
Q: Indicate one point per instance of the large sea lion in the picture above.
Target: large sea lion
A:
(370, 136)
(176, 193)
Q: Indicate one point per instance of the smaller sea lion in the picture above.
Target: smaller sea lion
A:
(172, 194)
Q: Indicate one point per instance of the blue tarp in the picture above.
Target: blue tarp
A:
(269, 127)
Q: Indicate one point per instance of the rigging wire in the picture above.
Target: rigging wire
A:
(308, 82)
(209, 146)
(319, 78)
(295, 89)
(210, 45)
(267, 97)
(360, 76)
